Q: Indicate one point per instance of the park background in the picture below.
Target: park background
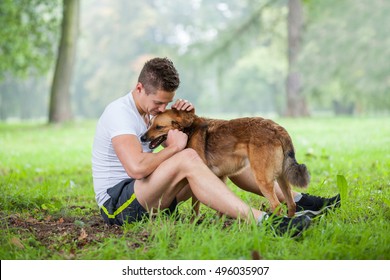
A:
(319, 68)
(286, 58)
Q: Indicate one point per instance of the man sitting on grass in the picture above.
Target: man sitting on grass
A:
(131, 182)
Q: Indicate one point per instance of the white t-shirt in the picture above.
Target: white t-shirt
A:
(120, 117)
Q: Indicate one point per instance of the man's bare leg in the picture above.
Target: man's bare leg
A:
(160, 188)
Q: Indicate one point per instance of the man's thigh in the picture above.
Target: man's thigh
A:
(160, 188)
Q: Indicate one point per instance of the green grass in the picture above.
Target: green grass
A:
(48, 211)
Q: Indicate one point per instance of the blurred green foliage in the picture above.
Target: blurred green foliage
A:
(346, 52)
(231, 55)
(28, 30)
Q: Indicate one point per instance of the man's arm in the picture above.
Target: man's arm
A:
(138, 164)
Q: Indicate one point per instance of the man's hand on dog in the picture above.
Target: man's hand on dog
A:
(182, 104)
(176, 139)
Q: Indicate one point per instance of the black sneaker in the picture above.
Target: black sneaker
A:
(315, 205)
(284, 225)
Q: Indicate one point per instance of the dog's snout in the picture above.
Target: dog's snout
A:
(144, 138)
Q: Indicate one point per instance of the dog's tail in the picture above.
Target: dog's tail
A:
(295, 173)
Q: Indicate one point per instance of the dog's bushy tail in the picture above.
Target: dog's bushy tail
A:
(295, 173)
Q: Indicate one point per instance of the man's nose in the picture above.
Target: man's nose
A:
(162, 108)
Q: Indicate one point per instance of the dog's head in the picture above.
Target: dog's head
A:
(162, 123)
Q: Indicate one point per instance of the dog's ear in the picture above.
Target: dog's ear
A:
(183, 119)
(176, 124)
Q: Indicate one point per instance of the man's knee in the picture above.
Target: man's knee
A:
(189, 157)
(189, 153)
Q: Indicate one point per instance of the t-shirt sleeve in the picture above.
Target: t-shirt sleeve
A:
(118, 121)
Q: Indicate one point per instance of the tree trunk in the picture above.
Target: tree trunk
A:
(296, 103)
(60, 98)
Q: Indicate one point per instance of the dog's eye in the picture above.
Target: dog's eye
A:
(158, 127)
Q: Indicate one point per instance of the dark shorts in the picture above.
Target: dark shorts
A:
(123, 206)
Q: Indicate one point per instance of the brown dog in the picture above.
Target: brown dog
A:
(228, 146)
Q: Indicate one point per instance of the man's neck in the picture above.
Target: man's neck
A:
(135, 95)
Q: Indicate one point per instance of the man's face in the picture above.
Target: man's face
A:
(156, 102)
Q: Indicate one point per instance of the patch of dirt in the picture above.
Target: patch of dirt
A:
(53, 233)
(69, 236)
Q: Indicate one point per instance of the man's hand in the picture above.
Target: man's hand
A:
(176, 139)
(182, 104)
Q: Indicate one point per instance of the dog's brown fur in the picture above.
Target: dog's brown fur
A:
(228, 146)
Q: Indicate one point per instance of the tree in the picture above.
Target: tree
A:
(60, 97)
(296, 103)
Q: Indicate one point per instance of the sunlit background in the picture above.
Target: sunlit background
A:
(232, 55)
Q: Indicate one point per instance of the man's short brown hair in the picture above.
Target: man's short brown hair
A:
(159, 74)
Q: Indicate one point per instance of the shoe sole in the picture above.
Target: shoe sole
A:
(312, 213)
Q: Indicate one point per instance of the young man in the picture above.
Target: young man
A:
(131, 182)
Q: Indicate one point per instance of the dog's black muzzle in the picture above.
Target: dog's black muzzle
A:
(154, 143)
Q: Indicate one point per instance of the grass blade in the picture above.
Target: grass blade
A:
(342, 186)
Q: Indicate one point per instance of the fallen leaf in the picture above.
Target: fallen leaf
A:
(16, 241)
(83, 234)
(60, 221)
(31, 220)
(256, 255)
